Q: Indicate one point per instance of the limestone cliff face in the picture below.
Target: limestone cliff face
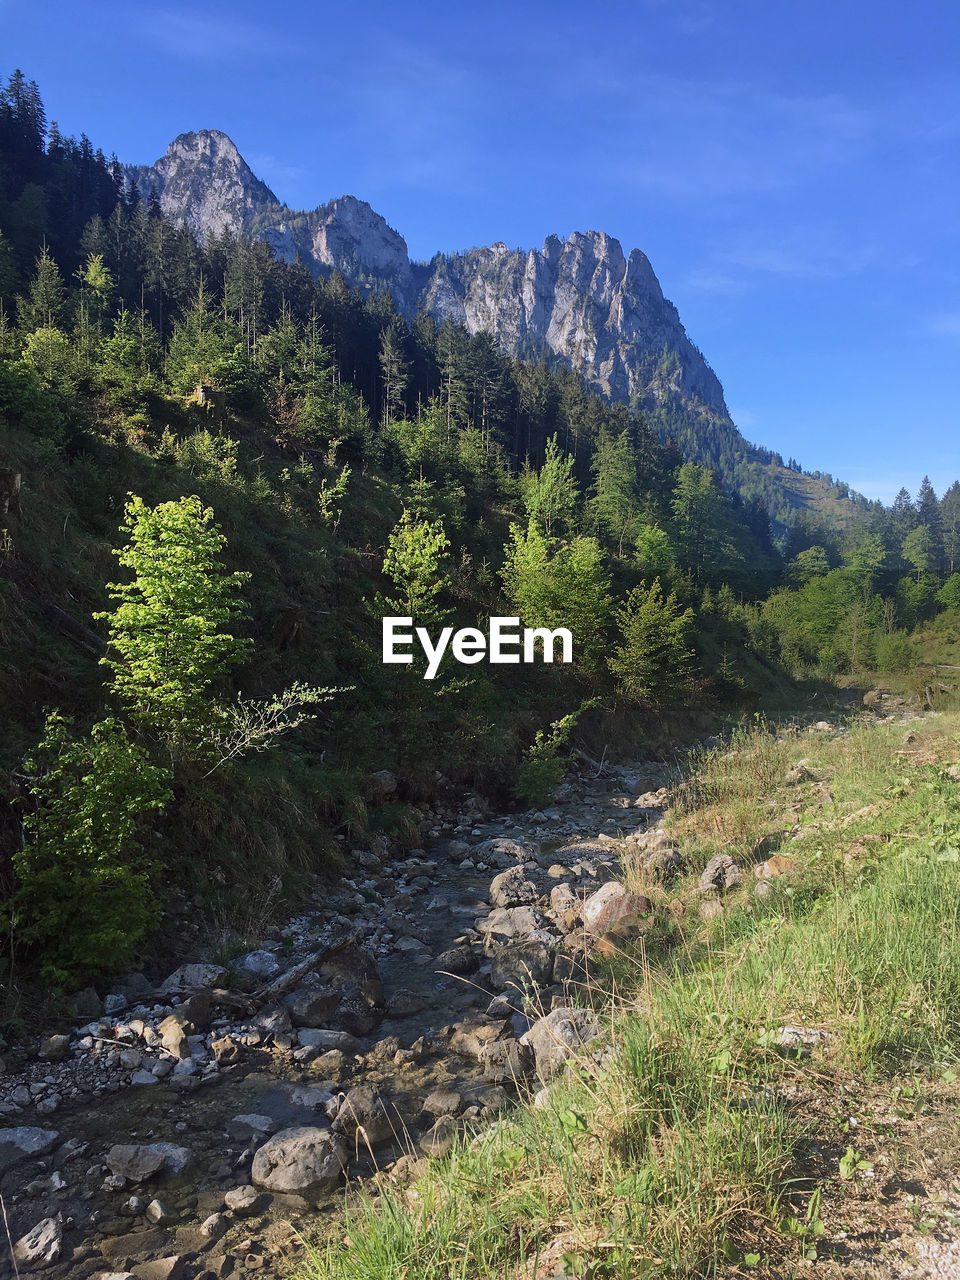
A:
(582, 300)
(204, 182)
(579, 299)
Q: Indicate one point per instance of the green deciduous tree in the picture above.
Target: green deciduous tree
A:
(949, 593)
(551, 495)
(415, 564)
(864, 560)
(656, 554)
(553, 585)
(811, 563)
(170, 634)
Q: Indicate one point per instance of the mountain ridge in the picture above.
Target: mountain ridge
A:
(579, 299)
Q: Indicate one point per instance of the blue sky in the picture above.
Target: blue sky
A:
(790, 168)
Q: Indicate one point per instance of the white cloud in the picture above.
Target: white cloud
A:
(945, 325)
(211, 38)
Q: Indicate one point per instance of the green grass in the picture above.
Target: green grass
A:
(685, 1156)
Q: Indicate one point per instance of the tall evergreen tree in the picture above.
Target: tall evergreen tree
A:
(45, 305)
(950, 525)
(613, 503)
(395, 368)
(928, 516)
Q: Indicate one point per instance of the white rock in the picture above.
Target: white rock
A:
(42, 1244)
(192, 977)
(261, 964)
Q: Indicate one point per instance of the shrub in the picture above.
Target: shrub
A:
(85, 898)
(895, 653)
(540, 771)
(550, 584)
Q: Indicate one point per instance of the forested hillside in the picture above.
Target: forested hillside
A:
(218, 473)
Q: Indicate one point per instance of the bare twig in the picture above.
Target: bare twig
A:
(6, 1227)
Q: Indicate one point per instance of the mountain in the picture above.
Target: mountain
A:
(578, 300)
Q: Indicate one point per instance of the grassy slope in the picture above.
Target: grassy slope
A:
(807, 493)
(707, 1147)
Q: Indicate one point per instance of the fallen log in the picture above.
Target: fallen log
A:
(269, 992)
(75, 631)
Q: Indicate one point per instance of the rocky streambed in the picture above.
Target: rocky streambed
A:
(197, 1127)
(200, 1128)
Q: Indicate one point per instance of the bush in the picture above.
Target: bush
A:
(540, 771)
(85, 897)
(895, 653)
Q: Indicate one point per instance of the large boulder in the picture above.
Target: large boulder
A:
(312, 1006)
(522, 964)
(664, 865)
(459, 960)
(134, 1162)
(614, 906)
(354, 973)
(472, 1034)
(364, 1118)
(505, 1060)
(191, 977)
(511, 888)
(305, 1160)
(439, 1138)
(565, 904)
(321, 1038)
(652, 841)
(23, 1141)
(250, 1125)
(605, 911)
(175, 1159)
(260, 964)
(273, 1020)
(378, 786)
(173, 1036)
(599, 899)
(560, 1035)
(54, 1048)
(511, 924)
(500, 851)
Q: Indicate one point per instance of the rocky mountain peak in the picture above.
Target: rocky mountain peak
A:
(579, 299)
(203, 181)
(349, 233)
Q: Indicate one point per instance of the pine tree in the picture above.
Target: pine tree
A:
(45, 305)
(613, 504)
(395, 368)
(928, 516)
(950, 525)
(654, 658)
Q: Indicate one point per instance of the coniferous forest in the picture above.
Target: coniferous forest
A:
(218, 473)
